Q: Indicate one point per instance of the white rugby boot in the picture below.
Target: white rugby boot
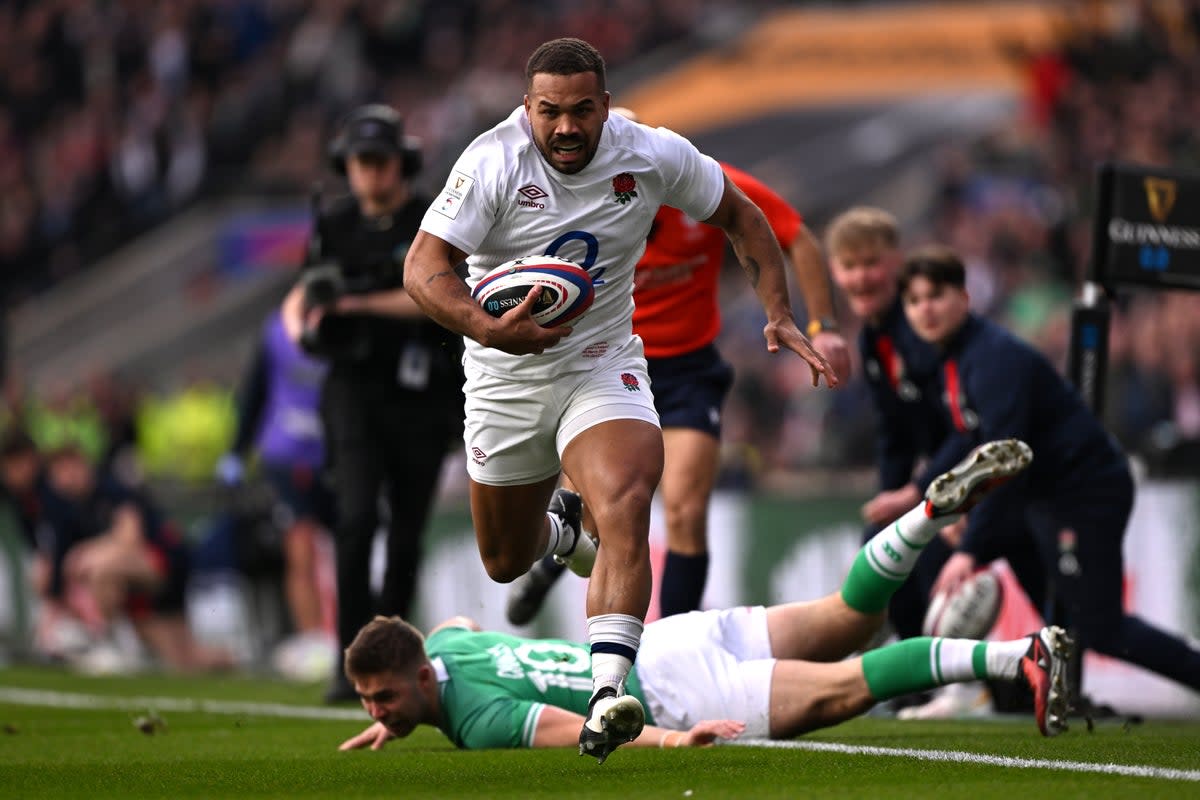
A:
(985, 468)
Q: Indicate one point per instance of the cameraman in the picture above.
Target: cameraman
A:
(392, 401)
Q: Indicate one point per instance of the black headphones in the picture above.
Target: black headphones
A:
(381, 126)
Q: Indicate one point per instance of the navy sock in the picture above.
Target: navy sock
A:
(682, 585)
(548, 568)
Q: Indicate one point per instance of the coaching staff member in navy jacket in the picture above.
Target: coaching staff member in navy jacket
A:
(863, 246)
(1078, 493)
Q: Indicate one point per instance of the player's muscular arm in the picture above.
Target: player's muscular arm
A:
(558, 727)
(758, 251)
(434, 286)
(431, 281)
(808, 265)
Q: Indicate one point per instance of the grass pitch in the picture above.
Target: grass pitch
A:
(230, 738)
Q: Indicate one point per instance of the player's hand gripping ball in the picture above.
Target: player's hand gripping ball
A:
(567, 289)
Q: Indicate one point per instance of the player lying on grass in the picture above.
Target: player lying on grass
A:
(756, 672)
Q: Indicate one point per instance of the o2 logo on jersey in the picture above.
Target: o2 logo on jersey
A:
(591, 252)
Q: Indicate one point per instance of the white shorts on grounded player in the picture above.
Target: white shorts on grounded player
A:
(515, 431)
(708, 665)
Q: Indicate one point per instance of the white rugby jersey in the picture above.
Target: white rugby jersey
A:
(503, 201)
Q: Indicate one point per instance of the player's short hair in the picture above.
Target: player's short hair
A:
(566, 56)
(385, 644)
(938, 264)
(861, 226)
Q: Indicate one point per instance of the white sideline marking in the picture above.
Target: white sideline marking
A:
(958, 756)
(95, 702)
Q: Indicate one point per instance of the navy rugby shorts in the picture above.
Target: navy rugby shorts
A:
(690, 389)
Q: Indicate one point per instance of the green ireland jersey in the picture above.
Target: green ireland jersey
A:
(494, 686)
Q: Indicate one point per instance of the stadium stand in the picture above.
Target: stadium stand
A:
(118, 115)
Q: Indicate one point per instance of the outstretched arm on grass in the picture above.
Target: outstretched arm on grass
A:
(560, 728)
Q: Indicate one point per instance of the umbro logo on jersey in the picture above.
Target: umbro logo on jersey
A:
(532, 193)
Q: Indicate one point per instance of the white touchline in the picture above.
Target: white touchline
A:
(95, 702)
(1132, 770)
(50, 699)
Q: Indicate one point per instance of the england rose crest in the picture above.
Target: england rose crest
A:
(624, 187)
(630, 381)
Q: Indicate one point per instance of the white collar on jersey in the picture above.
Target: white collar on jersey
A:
(439, 669)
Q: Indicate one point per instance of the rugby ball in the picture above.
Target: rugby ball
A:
(968, 611)
(567, 289)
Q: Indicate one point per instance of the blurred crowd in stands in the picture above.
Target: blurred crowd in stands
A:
(115, 114)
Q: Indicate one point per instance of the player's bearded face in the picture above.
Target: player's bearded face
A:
(396, 700)
(411, 712)
(567, 115)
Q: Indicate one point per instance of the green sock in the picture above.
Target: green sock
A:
(924, 662)
(886, 560)
(865, 590)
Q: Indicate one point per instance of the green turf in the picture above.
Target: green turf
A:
(48, 752)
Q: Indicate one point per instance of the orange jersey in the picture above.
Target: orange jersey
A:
(676, 307)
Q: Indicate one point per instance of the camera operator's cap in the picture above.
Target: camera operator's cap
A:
(377, 129)
(373, 134)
